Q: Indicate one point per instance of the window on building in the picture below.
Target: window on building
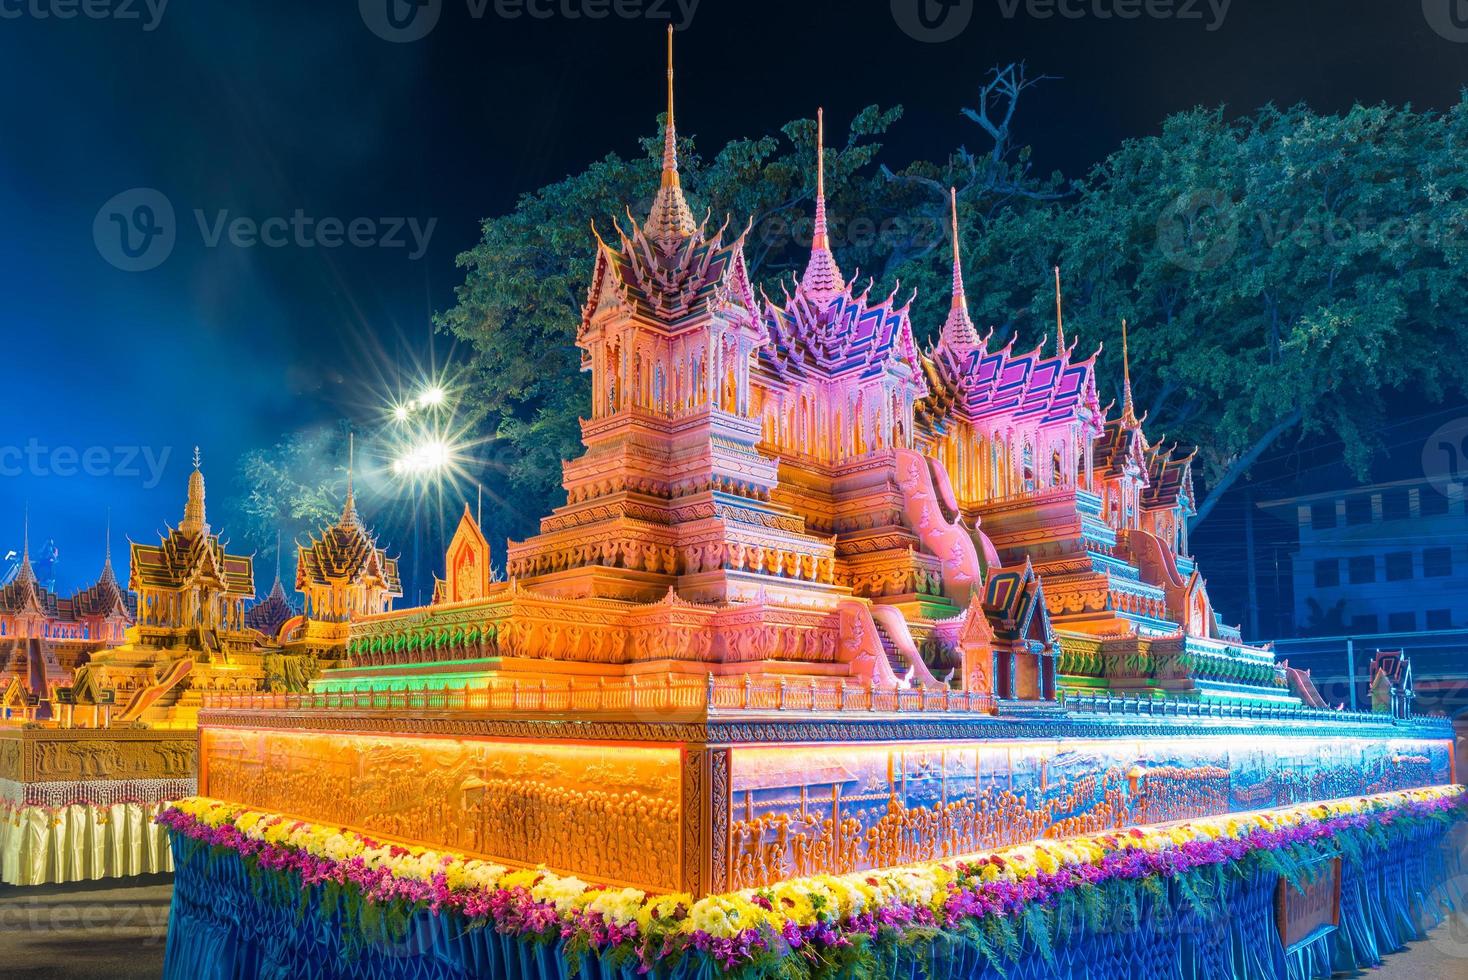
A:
(1401, 622)
(1322, 516)
(1437, 562)
(1327, 573)
(1358, 509)
(1398, 566)
(1396, 505)
(1364, 624)
(1363, 569)
(1431, 503)
(1439, 619)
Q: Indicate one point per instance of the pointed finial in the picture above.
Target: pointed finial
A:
(822, 281)
(670, 131)
(670, 221)
(25, 574)
(195, 521)
(958, 294)
(349, 507)
(277, 556)
(820, 238)
(958, 330)
(1059, 320)
(1128, 413)
(107, 550)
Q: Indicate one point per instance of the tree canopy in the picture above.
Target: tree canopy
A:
(1285, 272)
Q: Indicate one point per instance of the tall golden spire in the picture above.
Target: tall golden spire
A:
(26, 575)
(1059, 320)
(194, 521)
(670, 220)
(822, 281)
(1128, 412)
(670, 129)
(820, 238)
(349, 508)
(958, 329)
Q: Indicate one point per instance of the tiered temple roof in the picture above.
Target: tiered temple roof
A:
(106, 598)
(826, 331)
(25, 598)
(668, 268)
(271, 613)
(1169, 476)
(190, 554)
(346, 552)
(967, 380)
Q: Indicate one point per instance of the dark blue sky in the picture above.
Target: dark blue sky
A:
(262, 109)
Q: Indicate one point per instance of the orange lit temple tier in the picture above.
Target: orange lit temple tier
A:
(708, 805)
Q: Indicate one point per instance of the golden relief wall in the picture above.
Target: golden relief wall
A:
(837, 809)
(609, 812)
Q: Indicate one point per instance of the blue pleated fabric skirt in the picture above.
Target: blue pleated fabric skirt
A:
(228, 925)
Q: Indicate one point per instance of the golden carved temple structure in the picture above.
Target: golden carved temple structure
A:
(818, 600)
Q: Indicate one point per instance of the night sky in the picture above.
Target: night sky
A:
(264, 108)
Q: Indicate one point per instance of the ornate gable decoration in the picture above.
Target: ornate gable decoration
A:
(466, 563)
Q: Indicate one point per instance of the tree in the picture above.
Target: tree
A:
(1285, 273)
(296, 488)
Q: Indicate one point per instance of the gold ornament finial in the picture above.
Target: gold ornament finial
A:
(349, 507)
(194, 520)
(959, 299)
(670, 131)
(1059, 320)
(1128, 414)
(670, 222)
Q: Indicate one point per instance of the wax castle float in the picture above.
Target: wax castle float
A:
(818, 600)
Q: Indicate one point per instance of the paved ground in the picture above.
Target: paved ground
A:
(107, 929)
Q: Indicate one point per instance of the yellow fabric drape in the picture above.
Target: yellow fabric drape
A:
(81, 842)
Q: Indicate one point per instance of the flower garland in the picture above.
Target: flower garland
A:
(819, 924)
